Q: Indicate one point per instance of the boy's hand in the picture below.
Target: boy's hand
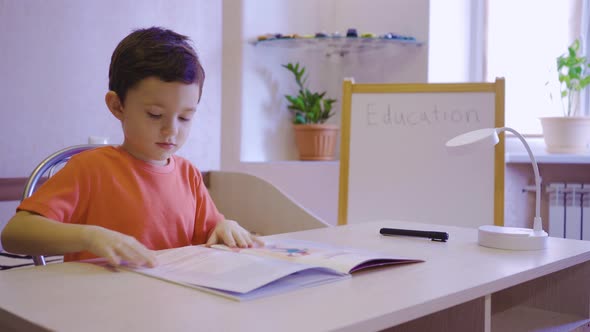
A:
(117, 247)
(231, 234)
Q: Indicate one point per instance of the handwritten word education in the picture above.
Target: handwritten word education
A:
(390, 115)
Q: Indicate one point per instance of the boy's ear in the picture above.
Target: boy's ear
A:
(114, 104)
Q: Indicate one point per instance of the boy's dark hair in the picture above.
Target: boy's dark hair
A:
(154, 52)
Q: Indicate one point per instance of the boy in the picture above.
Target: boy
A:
(122, 202)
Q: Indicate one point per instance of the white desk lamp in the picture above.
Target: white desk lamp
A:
(512, 238)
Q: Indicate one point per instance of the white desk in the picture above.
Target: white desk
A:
(471, 288)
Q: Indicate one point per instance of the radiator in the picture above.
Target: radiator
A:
(569, 210)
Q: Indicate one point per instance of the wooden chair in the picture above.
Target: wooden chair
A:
(253, 202)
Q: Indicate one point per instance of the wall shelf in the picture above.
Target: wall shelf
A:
(338, 45)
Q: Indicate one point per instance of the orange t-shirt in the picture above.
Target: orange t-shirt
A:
(161, 206)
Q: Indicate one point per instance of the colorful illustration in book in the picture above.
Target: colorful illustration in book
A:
(272, 250)
(284, 250)
(291, 252)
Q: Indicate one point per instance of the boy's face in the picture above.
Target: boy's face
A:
(156, 117)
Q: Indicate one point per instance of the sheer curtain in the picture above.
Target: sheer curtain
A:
(584, 29)
(523, 40)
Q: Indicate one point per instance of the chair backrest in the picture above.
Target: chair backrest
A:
(46, 167)
(258, 205)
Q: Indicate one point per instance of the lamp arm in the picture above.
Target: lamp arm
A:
(537, 224)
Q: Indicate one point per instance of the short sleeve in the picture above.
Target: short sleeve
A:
(63, 197)
(207, 216)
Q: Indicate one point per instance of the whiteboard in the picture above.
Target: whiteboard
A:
(394, 164)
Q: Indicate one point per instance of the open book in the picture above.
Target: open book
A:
(244, 274)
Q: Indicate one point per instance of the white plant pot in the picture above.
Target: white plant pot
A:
(566, 134)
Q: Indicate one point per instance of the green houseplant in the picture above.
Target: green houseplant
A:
(307, 107)
(574, 76)
(315, 139)
(569, 133)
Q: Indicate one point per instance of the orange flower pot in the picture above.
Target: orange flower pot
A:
(316, 141)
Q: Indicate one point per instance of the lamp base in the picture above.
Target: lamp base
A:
(511, 238)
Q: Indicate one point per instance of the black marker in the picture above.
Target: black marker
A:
(434, 236)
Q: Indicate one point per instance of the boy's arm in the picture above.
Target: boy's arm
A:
(32, 234)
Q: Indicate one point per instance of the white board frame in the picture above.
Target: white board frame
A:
(422, 89)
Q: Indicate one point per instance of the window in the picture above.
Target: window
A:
(523, 40)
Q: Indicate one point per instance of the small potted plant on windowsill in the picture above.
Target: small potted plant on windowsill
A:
(315, 139)
(571, 132)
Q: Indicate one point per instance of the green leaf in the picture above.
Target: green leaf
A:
(299, 118)
(573, 74)
(308, 107)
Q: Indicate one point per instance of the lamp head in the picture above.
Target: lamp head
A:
(473, 140)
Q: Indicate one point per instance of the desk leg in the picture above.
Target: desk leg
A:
(468, 316)
(487, 313)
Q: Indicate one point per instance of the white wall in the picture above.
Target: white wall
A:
(256, 124)
(54, 73)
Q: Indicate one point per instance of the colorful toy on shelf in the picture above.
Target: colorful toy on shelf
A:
(336, 44)
(395, 36)
(368, 35)
(350, 33)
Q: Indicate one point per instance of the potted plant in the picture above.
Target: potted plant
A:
(571, 132)
(315, 139)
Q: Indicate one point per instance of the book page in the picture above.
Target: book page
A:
(302, 279)
(341, 259)
(221, 270)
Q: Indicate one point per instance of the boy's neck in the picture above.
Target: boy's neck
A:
(157, 164)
